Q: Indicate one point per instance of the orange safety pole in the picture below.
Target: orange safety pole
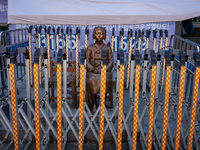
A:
(196, 87)
(122, 42)
(81, 107)
(48, 48)
(147, 40)
(120, 106)
(180, 107)
(39, 46)
(59, 105)
(154, 40)
(14, 109)
(153, 79)
(137, 81)
(163, 73)
(30, 56)
(57, 39)
(103, 89)
(129, 60)
(37, 107)
(77, 59)
(166, 108)
(112, 43)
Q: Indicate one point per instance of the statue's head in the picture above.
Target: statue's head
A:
(99, 34)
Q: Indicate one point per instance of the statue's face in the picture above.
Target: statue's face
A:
(99, 35)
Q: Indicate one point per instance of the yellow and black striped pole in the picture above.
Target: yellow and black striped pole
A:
(193, 113)
(77, 56)
(112, 42)
(39, 46)
(180, 102)
(147, 39)
(121, 90)
(59, 105)
(103, 90)
(14, 105)
(82, 85)
(37, 107)
(86, 37)
(120, 106)
(30, 53)
(153, 79)
(48, 50)
(196, 57)
(122, 38)
(180, 107)
(129, 58)
(137, 81)
(154, 39)
(139, 39)
(166, 105)
(164, 61)
(57, 39)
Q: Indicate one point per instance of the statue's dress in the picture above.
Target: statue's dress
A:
(93, 57)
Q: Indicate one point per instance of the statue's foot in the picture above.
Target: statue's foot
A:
(94, 110)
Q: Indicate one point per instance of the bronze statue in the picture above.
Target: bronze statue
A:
(93, 65)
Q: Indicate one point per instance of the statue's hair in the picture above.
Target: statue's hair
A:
(102, 29)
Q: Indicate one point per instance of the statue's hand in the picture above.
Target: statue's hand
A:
(95, 71)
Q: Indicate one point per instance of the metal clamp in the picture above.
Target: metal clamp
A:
(166, 55)
(195, 56)
(152, 55)
(83, 56)
(180, 54)
(39, 52)
(120, 56)
(104, 57)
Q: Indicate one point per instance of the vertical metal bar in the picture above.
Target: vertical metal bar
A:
(181, 89)
(28, 92)
(14, 105)
(37, 106)
(153, 78)
(166, 103)
(120, 106)
(65, 90)
(137, 80)
(157, 79)
(103, 79)
(194, 105)
(46, 87)
(59, 105)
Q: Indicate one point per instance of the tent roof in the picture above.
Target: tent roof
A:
(100, 12)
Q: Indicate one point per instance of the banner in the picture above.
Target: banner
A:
(170, 26)
(3, 11)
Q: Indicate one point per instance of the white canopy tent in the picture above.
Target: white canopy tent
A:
(100, 12)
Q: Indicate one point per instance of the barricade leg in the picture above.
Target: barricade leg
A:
(14, 105)
(180, 106)
(120, 106)
(137, 80)
(37, 106)
(193, 106)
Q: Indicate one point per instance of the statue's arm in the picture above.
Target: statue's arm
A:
(89, 66)
(109, 60)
